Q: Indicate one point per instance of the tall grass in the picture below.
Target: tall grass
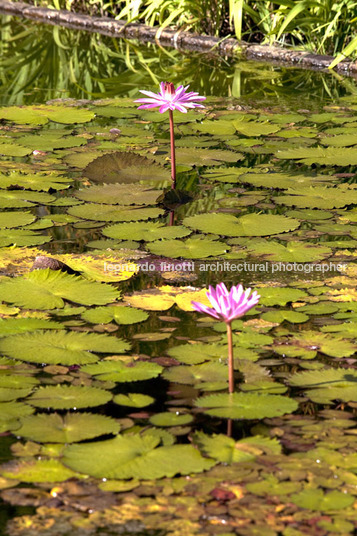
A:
(320, 26)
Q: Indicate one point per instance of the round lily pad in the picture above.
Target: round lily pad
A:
(15, 219)
(68, 397)
(133, 400)
(192, 248)
(170, 419)
(96, 212)
(119, 194)
(146, 232)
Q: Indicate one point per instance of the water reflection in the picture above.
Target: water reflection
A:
(53, 62)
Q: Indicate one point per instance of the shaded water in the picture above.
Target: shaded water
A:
(272, 160)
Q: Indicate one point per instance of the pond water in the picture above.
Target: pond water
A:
(114, 412)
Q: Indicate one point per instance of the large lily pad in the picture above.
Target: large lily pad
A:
(15, 219)
(96, 212)
(192, 248)
(68, 397)
(37, 471)
(116, 371)
(68, 428)
(119, 194)
(35, 181)
(71, 348)
(246, 405)
(46, 289)
(146, 232)
(247, 225)
(125, 167)
(119, 314)
(327, 385)
(134, 457)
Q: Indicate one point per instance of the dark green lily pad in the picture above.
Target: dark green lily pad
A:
(192, 248)
(145, 231)
(96, 212)
(119, 194)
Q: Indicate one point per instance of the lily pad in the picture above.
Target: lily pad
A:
(96, 212)
(171, 419)
(54, 347)
(117, 371)
(192, 248)
(119, 314)
(134, 457)
(37, 471)
(146, 232)
(46, 289)
(119, 194)
(68, 397)
(43, 181)
(15, 219)
(327, 385)
(246, 405)
(68, 428)
(134, 400)
(247, 225)
(316, 499)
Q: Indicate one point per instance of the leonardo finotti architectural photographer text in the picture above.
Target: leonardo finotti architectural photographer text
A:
(225, 266)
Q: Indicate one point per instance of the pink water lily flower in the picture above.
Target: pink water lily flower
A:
(228, 305)
(170, 98)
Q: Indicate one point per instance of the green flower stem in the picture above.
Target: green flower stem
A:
(230, 358)
(173, 156)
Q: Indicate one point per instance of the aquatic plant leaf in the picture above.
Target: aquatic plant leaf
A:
(193, 354)
(145, 231)
(68, 428)
(17, 381)
(291, 252)
(134, 457)
(206, 157)
(43, 181)
(11, 149)
(330, 156)
(21, 237)
(98, 212)
(119, 314)
(117, 371)
(11, 326)
(325, 343)
(226, 450)
(280, 295)
(23, 199)
(295, 317)
(14, 410)
(164, 297)
(273, 486)
(68, 397)
(192, 248)
(218, 128)
(119, 194)
(247, 225)
(246, 405)
(252, 128)
(15, 219)
(133, 400)
(46, 289)
(22, 115)
(342, 140)
(125, 167)
(327, 385)
(169, 418)
(7, 395)
(319, 197)
(55, 347)
(50, 140)
(231, 175)
(206, 372)
(316, 499)
(37, 471)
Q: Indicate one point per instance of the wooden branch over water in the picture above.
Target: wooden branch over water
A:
(177, 39)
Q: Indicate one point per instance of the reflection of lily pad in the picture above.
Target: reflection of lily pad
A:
(246, 405)
(247, 225)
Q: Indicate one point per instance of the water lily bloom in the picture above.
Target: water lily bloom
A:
(170, 98)
(227, 306)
